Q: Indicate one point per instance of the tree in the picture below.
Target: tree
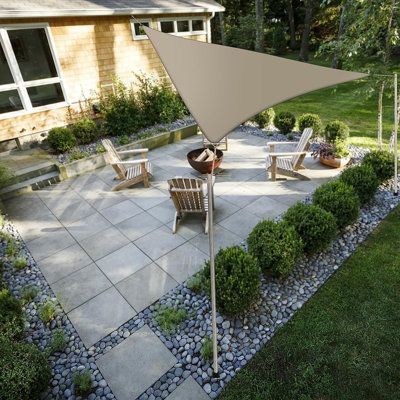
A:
(259, 45)
(304, 48)
(292, 27)
(336, 61)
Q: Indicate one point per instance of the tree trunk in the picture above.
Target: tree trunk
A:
(337, 62)
(292, 28)
(259, 45)
(303, 56)
(380, 113)
(222, 27)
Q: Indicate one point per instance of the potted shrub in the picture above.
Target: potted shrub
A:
(333, 150)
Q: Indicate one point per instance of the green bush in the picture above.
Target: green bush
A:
(159, 102)
(336, 131)
(11, 315)
(121, 112)
(310, 121)
(242, 34)
(58, 342)
(340, 199)
(316, 227)
(24, 371)
(364, 181)
(264, 118)
(82, 382)
(7, 177)
(78, 155)
(28, 293)
(206, 350)
(237, 277)
(285, 122)
(276, 246)
(20, 263)
(123, 140)
(48, 311)
(85, 131)
(279, 41)
(169, 318)
(12, 248)
(382, 162)
(61, 139)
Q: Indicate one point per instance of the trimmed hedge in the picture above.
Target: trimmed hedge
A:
(237, 277)
(382, 162)
(285, 122)
(264, 118)
(336, 131)
(11, 316)
(85, 131)
(24, 371)
(316, 227)
(363, 179)
(276, 246)
(61, 139)
(340, 199)
(310, 121)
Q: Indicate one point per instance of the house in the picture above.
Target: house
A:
(55, 54)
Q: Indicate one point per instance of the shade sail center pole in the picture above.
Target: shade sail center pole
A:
(396, 123)
(212, 266)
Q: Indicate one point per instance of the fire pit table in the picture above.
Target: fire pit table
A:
(204, 167)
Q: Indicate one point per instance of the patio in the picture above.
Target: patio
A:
(110, 255)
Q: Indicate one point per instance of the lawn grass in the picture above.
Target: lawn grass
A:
(349, 103)
(345, 343)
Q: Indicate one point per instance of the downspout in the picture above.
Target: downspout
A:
(209, 26)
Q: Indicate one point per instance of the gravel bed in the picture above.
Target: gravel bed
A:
(91, 148)
(75, 357)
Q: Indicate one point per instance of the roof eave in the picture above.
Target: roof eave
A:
(14, 14)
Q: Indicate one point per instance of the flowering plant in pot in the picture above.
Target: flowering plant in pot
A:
(333, 151)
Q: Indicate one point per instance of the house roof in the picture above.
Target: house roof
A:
(64, 8)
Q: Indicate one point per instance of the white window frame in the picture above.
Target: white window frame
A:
(19, 84)
(191, 32)
(133, 21)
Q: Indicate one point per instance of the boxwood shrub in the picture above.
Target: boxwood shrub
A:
(237, 277)
(336, 131)
(24, 371)
(382, 162)
(85, 131)
(316, 227)
(276, 246)
(264, 118)
(363, 179)
(310, 121)
(340, 199)
(61, 139)
(11, 315)
(285, 122)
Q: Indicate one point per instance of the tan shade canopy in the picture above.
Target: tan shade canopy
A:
(224, 86)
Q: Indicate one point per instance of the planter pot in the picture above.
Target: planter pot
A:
(334, 162)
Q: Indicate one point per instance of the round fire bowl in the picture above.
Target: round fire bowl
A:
(204, 167)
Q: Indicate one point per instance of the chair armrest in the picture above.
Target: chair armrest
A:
(278, 143)
(133, 151)
(133, 162)
(287, 154)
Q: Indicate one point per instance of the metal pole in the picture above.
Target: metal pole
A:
(212, 272)
(396, 122)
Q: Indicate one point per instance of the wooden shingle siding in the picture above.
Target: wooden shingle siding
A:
(91, 51)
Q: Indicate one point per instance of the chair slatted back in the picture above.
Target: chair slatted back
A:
(112, 157)
(187, 194)
(302, 145)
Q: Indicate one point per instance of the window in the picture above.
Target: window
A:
(183, 26)
(167, 26)
(198, 25)
(137, 28)
(29, 74)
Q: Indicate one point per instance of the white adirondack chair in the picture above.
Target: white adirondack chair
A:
(188, 196)
(290, 162)
(129, 172)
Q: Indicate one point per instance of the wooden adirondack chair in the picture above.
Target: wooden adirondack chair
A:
(289, 163)
(188, 196)
(222, 145)
(139, 171)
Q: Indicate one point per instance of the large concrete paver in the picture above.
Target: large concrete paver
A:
(101, 315)
(88, 226)
(145, 286)
(135, 364)
(188, 390)
(240, 223)
(139, 225)
(121, 211)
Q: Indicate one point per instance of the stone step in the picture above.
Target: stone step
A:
(41, 169)
(35, 183)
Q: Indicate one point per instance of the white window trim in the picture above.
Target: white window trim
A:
(19, 84)
(139, 37)
(191, 32)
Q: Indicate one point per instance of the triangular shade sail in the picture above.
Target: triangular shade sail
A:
(224, 86)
